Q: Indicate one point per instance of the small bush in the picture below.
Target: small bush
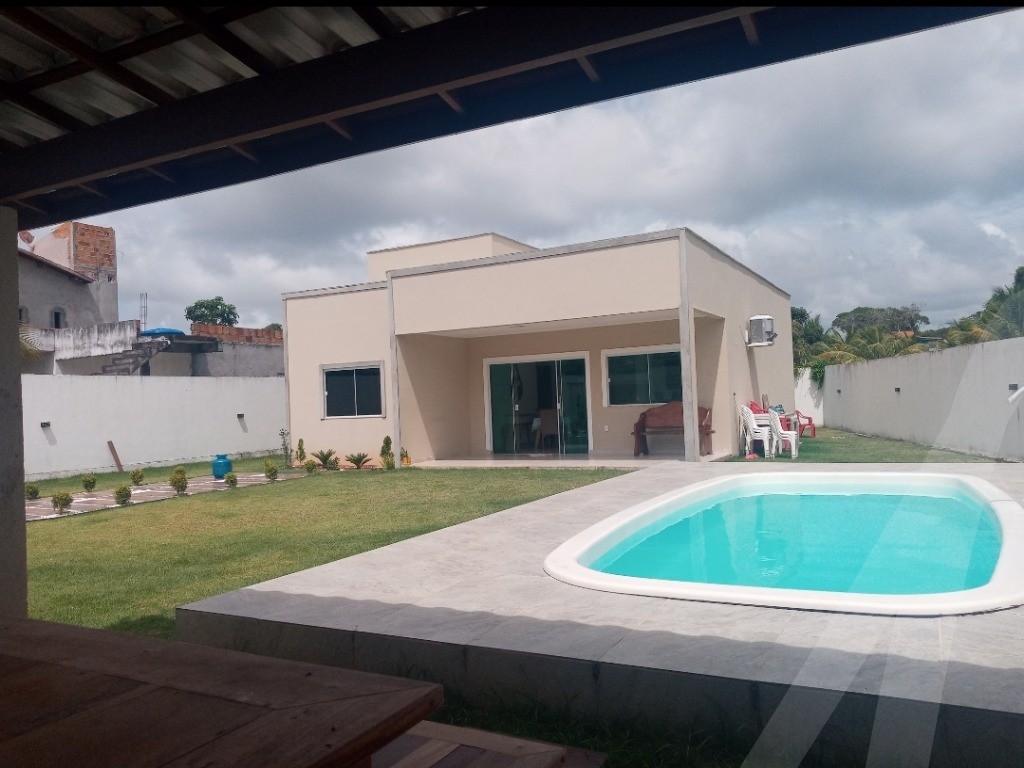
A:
(300, 452)
(89, 481)
(179, 481)
(31, 491)
(61, 501)
(310, 466)
(387, 454)
(231, 479)
(327, 458)
(270, 469)
(358, 460)
(123, 495)
(137, 476)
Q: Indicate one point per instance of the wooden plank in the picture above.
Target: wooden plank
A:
(495, 742)
(260, 680)
(428, 755)
(141, 731)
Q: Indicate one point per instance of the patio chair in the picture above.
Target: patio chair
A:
(751, 431)
(780, 436)
(804, 422)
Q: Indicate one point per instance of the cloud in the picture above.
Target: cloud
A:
(884, 174)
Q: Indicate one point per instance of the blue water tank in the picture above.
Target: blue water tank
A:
(220, 466)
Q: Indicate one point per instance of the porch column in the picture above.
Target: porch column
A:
(13, 564)
(688, 372)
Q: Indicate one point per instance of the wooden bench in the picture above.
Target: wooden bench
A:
(436, 745)
(667, 419)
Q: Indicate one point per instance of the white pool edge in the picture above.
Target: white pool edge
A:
(1004, 590)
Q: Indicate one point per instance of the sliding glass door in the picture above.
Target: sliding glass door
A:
(539, 406)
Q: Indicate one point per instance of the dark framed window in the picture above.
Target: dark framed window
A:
(644, 379)
(59, 321)
(354, 391)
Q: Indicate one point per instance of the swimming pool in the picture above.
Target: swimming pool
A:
(859, 542)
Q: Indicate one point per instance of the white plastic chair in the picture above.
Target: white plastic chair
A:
(753, 431)
(782, 436)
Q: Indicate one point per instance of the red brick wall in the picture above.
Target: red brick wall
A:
(95, 253)
(238, 335)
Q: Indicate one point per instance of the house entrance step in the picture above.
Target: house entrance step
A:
(435, 745)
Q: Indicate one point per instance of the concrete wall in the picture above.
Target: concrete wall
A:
(239, 360)
(150, 419)
(335, 328)
(723, 290)
(954, 399)
(810, 398)
(379, 263)
(42, 289)
(612, 280)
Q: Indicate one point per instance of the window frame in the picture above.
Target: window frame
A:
(653, 349)
(63, 317)
(362, 365)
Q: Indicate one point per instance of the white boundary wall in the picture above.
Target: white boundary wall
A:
(809, 398)
(150, 419)
(954, 398)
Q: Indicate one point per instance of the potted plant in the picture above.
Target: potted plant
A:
(406, 461)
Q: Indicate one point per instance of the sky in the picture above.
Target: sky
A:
(882, 175)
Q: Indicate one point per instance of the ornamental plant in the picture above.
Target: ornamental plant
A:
(179, 481)
(61, 502)
(358, 460)
(31, 491)
(327, 458)
(387, 454)
(270, 469)
(231, 479)
(137, 476)
(89, 481)
(310, 466)
(123, 495)
(300, 452)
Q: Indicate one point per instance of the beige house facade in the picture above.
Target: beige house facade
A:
(486, 346)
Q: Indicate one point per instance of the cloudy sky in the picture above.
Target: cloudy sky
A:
(888, 174)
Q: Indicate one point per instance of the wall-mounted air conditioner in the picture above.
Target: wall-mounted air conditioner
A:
(761, 332)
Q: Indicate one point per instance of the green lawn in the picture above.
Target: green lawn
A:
(108, 481)
(128, 568)
(832, 446)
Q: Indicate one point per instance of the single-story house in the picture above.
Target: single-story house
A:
(484, 345)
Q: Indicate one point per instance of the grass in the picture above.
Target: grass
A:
(127, 569)
(108, 481)
(832, 446)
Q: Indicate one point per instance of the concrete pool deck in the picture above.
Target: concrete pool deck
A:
(472, 607)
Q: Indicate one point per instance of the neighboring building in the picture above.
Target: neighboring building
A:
(68, 278)
(243, 351)
(483, 345)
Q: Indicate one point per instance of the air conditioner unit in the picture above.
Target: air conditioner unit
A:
(762, 331)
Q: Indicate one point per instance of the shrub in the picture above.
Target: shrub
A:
(300, 452)
(179, 481)
(231, 479)
(270, 469)
(137, 476)
(358, 460)
(89, 481)
(31, 491)
(123, 495)
(327, 458)
(61, 501)
(310, 466)
(387, 454)
(286, 447)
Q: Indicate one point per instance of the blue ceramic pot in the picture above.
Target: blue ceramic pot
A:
(220, 466)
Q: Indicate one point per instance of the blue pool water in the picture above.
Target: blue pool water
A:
(873, 543)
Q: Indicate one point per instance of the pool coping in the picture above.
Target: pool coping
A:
(1005, 588)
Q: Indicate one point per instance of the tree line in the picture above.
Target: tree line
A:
(869, 333)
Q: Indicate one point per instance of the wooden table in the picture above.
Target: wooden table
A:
(79, 697)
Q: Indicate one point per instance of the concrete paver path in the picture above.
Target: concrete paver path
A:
(89, 501)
